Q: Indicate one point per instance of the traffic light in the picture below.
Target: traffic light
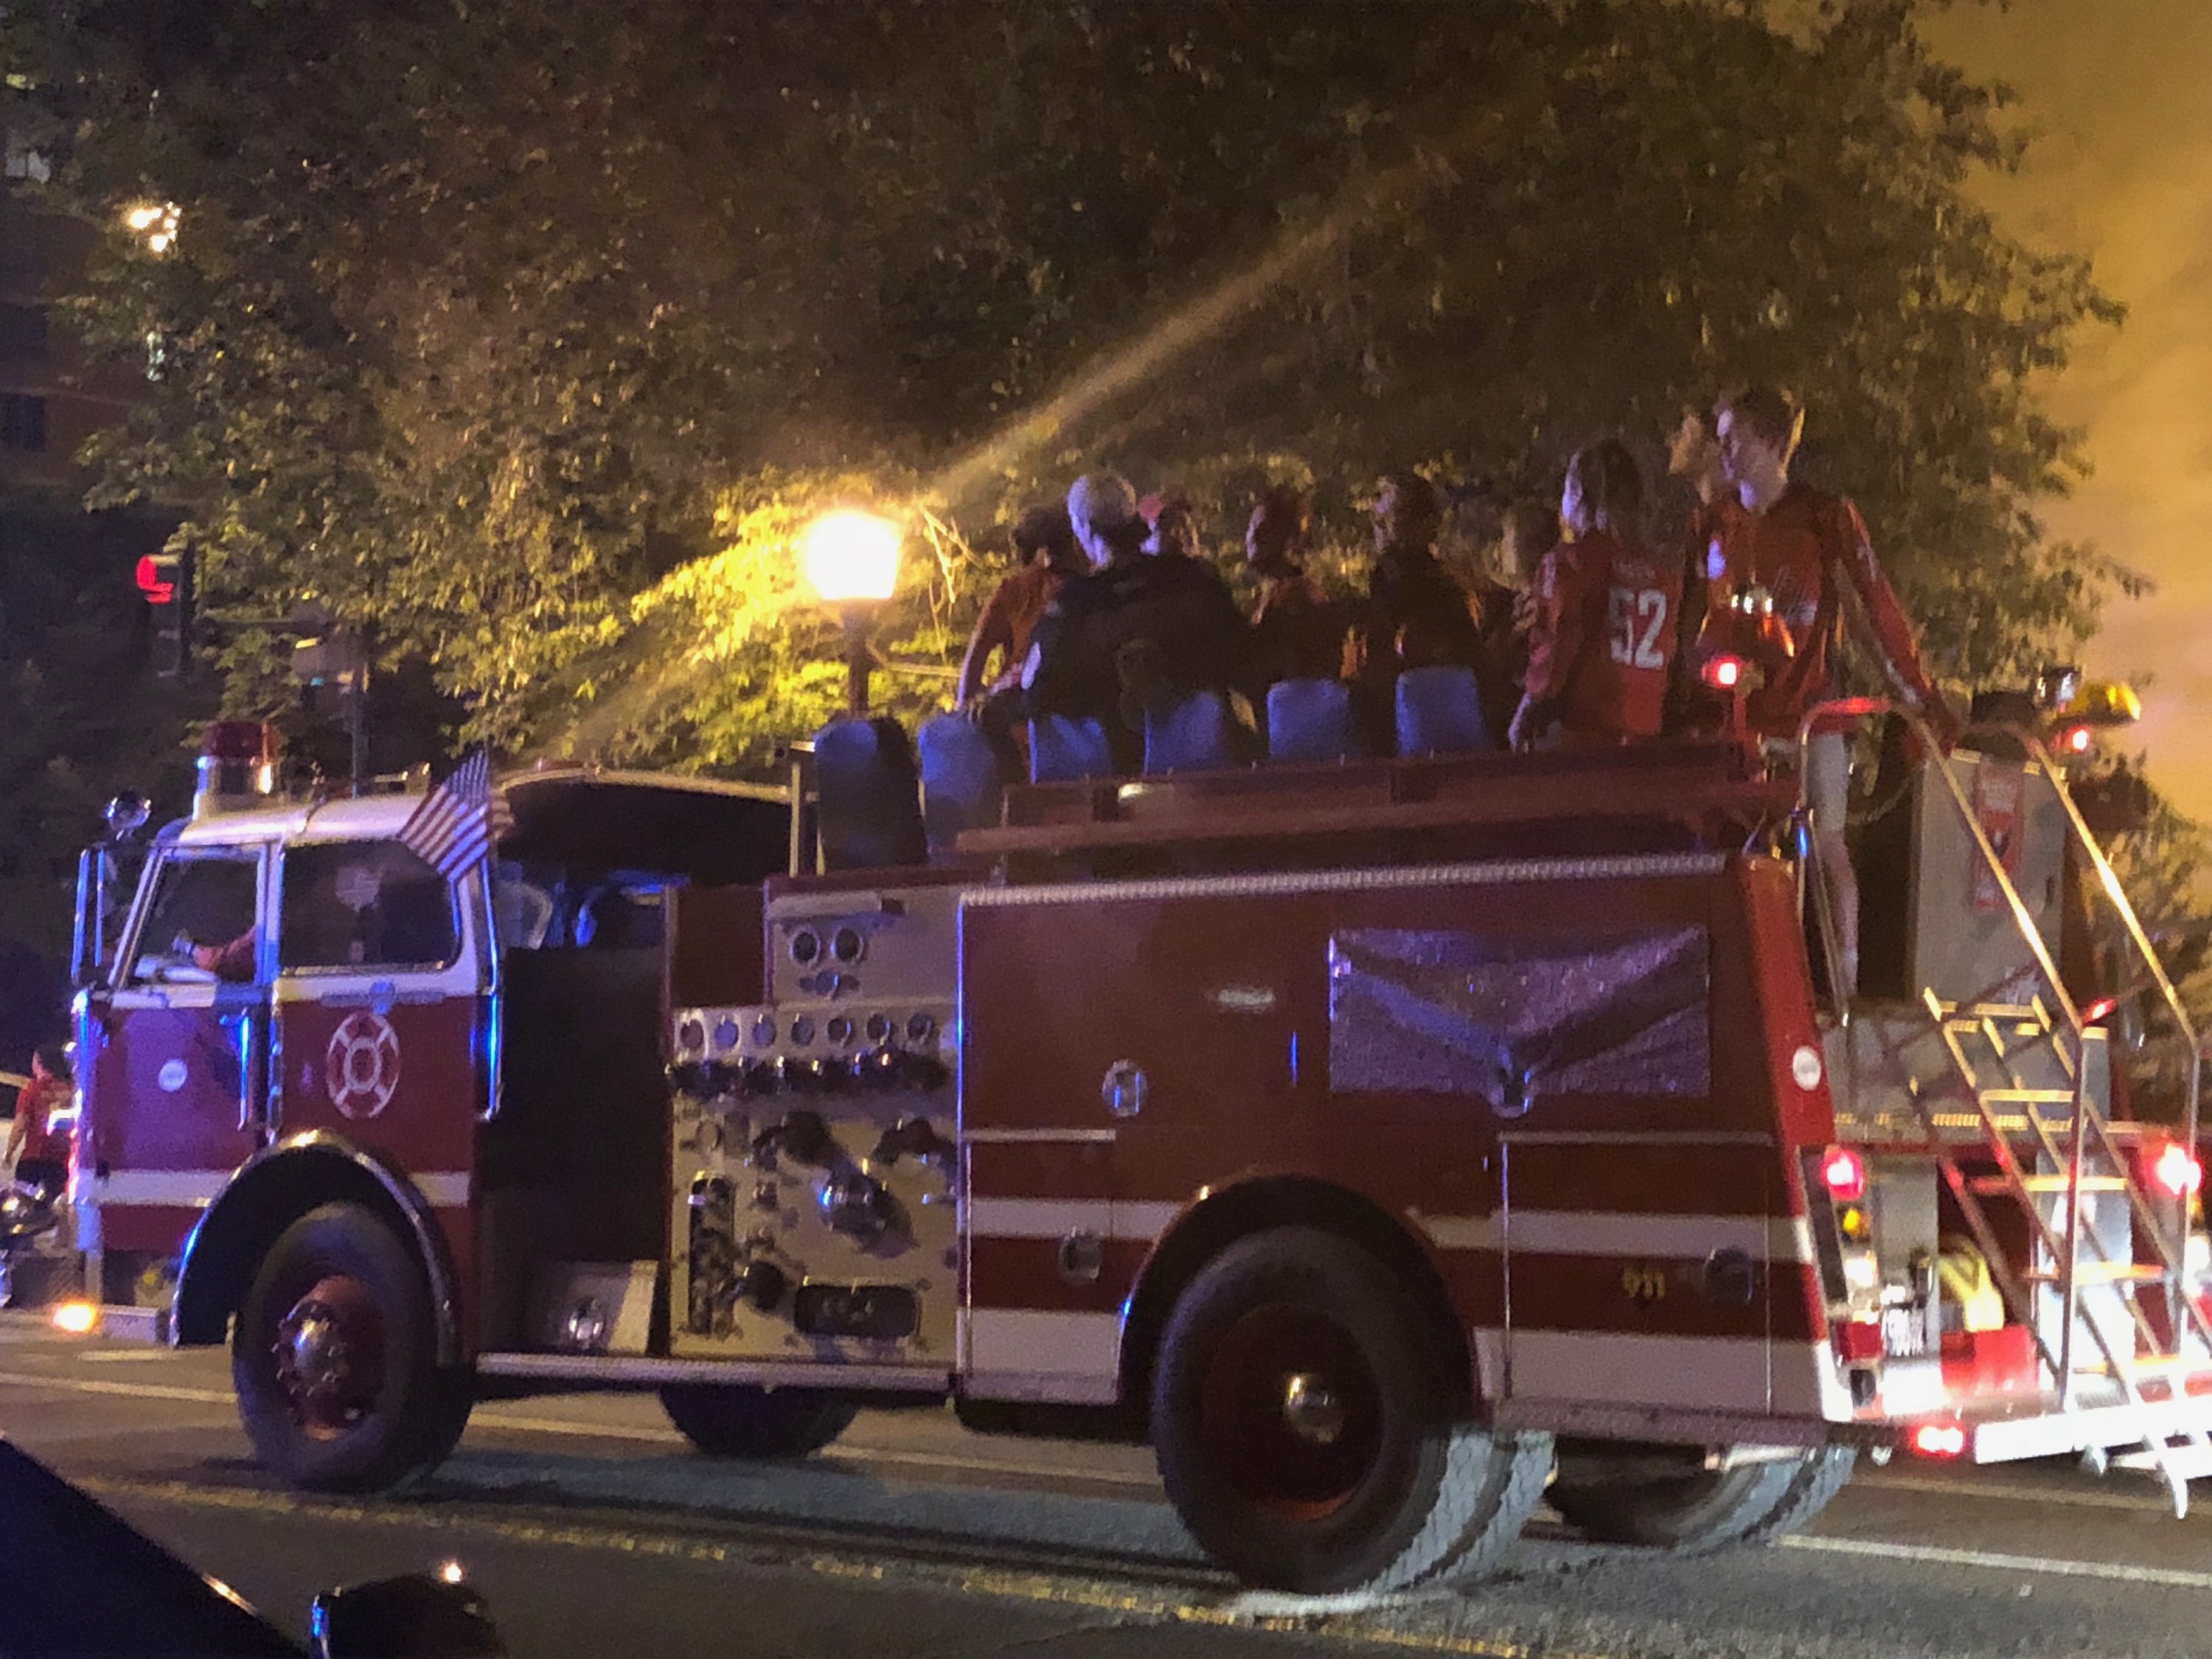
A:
(165, 581)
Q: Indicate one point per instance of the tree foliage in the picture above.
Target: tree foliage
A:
(528, 343)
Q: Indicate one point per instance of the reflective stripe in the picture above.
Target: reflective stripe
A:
(189, 1189)
(1386, 880)
(1056, 1217)
(1711, 1373)
(1039, 1137)
(1622, 1233)
(1082, 1350)
(446, 1189)
(197, 1188)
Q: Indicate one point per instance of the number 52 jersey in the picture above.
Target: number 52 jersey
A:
(1603, 637)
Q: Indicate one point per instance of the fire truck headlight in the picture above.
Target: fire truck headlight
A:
(1861, 1271)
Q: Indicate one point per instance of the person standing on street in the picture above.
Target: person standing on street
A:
(39, 1153)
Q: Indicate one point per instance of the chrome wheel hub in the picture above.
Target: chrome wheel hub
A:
(1311, 1409)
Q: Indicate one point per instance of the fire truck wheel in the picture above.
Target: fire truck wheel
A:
(1303, 1420)
(334, 1358)
(1752, 1504)
(1820, 1478)
(726, 1421)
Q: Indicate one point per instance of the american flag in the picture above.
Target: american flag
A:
(458, 822)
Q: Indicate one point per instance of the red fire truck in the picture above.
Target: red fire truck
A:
(1386, 1141)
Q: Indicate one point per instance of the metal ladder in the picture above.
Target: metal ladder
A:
(2081, 1150)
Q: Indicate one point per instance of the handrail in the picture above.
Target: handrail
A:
(1858, 709)
(2116, 896)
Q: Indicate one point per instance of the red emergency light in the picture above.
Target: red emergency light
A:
(157, 579)
(1723, 673)
(1844, 1173)
(2076, 740)
(2176, 1172)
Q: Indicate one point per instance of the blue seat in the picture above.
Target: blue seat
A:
(1440, 712)
(1310, 720)
(1198, 734)
(960, 781)
(1062, 749)
(868, 796)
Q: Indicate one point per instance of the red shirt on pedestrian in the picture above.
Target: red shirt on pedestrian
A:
(36, 1103)
(1603, 637)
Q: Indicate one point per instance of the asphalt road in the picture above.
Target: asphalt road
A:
(594, 1531)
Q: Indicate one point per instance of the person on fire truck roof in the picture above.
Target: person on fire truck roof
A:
(1810, 551)
(1603, 632)
(1135, 630)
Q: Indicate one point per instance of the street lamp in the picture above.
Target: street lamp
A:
(155, 223)
(852, 560)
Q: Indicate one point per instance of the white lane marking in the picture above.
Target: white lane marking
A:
(2156, 1504)
(1933, 1555)
(128, 1390)
(583, 1430)
(121, 1356)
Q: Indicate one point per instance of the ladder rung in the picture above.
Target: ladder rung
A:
(2102, 1273)
(2049, 1184)
(2029, 1097)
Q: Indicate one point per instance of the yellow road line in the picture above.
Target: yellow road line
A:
(988, 1584)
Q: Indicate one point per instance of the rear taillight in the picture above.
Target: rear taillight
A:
(1940, 1440)
(1723, 673)
(1842, 1171)
(2174, 1172)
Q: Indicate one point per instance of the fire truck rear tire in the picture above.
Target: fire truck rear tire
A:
(1307, 1429)
(1753, 1504)
(1819, 1479)
(334, 1358)
(724, 1421)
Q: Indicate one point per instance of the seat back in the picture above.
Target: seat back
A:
(1198, 734)
(1062, 749)
(960, 781)
(1310, 720)
(1440, 712)
(867, 787)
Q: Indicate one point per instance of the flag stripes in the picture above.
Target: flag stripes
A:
(454, 827)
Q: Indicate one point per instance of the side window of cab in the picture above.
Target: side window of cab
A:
(360, 904)
(200, 918)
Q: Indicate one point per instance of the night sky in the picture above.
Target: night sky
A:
(2116, 90)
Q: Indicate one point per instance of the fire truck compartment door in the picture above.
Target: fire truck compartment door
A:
(176, 1088)
(376, 1003)
(1636, 1226)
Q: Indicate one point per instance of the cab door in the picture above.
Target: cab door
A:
(376, 1001)
(176, 1085)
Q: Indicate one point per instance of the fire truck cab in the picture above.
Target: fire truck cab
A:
(1385, 1139)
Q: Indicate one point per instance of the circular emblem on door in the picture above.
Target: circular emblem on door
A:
(361, 1068)
(171, 1076)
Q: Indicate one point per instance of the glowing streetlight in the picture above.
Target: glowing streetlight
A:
(851, 558)
(154, 223)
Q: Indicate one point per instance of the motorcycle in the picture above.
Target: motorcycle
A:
(30, 1226)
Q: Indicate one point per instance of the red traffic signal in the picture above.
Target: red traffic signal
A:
(157, 578)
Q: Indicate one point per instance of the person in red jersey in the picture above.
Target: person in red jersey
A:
(1604, 629)
(1810, 551)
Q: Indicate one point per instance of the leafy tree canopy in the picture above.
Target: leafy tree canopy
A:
(529, 341)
